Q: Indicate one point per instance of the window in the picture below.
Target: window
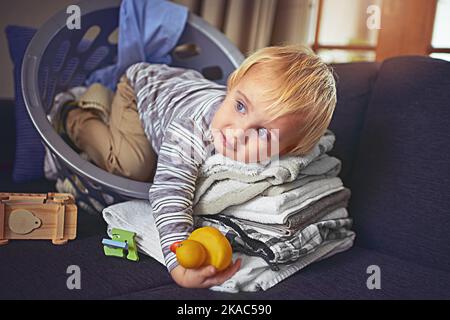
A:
(406, 27)
(342, 33)
(441, 30)
(440, 43)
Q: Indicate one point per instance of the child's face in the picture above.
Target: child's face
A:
(241, 127)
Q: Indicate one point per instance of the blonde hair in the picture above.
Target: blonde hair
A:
(306, 86)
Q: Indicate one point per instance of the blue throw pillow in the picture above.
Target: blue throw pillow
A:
(30, 152)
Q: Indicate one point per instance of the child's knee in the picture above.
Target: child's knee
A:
(135, 166)
(141, 171)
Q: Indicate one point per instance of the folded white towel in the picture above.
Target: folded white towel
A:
(283, 169)
(221, 190)
(276, 209)
(254, 274)
(323, 167)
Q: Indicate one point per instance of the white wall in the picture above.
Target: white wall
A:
(30, 13)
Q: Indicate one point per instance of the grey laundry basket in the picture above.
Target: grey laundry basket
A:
(58, 58)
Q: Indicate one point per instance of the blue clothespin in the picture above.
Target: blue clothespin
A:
(122, 240)
(115, 244)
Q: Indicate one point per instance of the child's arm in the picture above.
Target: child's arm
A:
(171, 197)
(172, 192)
(183, 149)
(160, 79)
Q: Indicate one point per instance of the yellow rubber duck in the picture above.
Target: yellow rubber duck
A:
(205, 246)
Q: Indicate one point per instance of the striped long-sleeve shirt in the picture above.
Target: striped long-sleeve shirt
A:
(176, 107)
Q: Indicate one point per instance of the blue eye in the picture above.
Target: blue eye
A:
(240, 107)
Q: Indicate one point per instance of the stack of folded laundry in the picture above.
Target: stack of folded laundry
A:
(279, 210)
(280, 216)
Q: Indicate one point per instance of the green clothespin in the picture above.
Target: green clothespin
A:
(125, 240)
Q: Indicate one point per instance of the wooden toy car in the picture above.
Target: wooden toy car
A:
(51, 216)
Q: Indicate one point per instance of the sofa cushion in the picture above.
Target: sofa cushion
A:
(343, 276)
(7, 129)
(28, 140)
(101, 276)
(354, 85)
(401, 180)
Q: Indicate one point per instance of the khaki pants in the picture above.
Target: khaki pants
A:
(120, 147)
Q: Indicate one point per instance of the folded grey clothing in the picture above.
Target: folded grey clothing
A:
(275, 250)
(312, 213)
(219, 191)
(320, 208)
(339, 213)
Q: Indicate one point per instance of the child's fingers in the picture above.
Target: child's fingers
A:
(207, 272)
(231, 270)
(224, 275)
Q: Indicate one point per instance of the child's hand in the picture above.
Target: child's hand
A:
(203, 277)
